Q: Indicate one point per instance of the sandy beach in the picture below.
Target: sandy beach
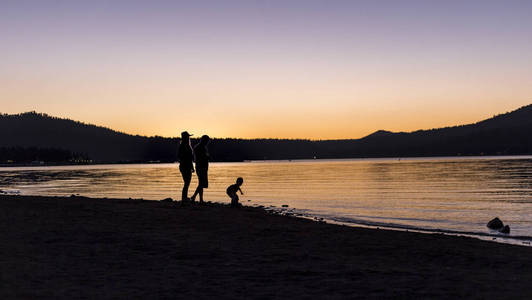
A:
(76, 247)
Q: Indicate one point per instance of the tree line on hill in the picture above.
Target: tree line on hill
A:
(40, 155)
(34, 136)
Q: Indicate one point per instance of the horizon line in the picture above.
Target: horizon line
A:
(259, 138)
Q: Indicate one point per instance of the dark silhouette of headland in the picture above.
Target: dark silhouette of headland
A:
(34, 136)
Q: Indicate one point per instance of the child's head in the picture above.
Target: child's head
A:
(239, 180)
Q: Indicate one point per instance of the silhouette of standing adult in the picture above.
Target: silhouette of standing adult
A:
(202, 166)
(186, 166)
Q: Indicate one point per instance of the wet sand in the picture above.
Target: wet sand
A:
(78, 247)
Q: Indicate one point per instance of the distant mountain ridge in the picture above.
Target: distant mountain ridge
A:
(100, 144)
(508, 134)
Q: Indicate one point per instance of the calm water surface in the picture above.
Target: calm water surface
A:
(454, 194)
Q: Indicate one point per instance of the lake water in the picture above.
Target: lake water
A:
(431, 194)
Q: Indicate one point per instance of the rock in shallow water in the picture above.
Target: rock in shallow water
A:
(505, 229)
(495, 224)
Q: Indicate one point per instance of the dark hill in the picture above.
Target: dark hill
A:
(508, 133)
(98, 143)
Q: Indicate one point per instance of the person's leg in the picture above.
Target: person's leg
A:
(196, 192)
(200, 192)
(184, 192)
(187, 177)
(202, 183)
(199, 187)
(234, 200)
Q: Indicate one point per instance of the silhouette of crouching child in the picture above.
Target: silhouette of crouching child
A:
(232, 189)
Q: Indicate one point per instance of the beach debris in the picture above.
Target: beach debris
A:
(10, 192)
(505, 229)
(167, 200)
(285, 205)
(495, 224)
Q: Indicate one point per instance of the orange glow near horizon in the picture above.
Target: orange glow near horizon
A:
(315, 126)
(325, 106)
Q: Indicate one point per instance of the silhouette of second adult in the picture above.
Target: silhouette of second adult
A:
(202, 166)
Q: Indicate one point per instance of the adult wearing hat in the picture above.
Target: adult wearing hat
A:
(186, 166)
(202, 166)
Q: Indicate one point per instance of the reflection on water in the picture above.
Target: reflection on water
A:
(454, 194)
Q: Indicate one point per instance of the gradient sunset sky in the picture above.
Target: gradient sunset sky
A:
(288, 69)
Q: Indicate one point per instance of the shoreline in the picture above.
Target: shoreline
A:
(490, 236)
(493, 236)
(77, 247)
